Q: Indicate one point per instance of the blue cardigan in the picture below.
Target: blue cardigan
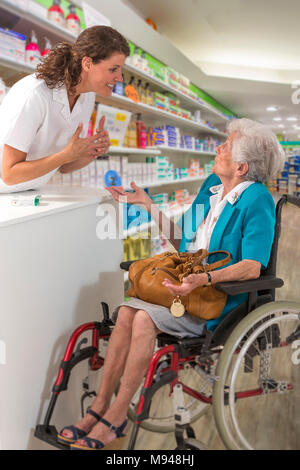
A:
(244, 228)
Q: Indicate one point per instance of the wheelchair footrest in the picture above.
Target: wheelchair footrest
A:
(48, 434)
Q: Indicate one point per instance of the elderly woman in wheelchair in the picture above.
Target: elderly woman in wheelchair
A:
(238, 215)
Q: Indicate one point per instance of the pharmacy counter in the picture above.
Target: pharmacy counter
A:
(56, 268)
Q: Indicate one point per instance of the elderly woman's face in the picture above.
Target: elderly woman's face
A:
(224, 165)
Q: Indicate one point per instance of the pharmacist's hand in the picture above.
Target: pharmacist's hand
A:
(137, 197)
(103, 137)
(89, 147)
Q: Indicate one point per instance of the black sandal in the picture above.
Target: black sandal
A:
(77, 433)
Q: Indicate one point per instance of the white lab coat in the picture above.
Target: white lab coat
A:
(37, 120)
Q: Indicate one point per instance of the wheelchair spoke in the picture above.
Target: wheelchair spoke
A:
(161, 412)
(262, 382)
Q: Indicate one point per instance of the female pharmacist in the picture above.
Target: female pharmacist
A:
(44, 117)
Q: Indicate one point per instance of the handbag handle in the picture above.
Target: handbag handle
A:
(217, 264)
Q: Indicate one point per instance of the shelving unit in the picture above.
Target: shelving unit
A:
(186, 100)
(23, 20)
(38, 21)
(154, 114)
(156, 184)
(166, 149)
(134, 151)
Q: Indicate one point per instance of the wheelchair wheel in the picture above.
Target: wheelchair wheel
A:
(193, 444)
(256, 400)
(161, 413)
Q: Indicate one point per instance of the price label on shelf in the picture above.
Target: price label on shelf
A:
(93, 17)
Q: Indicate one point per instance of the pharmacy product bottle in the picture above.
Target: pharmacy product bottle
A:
(56, 14)
(136, 59)
(132, 81)
(48, 46)
(119, 87)
(141, 91)
(141, 132)
(93, 119)
(130, 91)
(131, 134)
(73, 21)
(32, 51)
(144, 61)
(149, 95)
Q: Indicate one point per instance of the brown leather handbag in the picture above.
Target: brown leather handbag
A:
(146, 277)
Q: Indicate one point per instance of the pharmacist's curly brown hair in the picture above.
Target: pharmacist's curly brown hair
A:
(62, 66)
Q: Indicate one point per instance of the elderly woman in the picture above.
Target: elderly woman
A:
(238, 216)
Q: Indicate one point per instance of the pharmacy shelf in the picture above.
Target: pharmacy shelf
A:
(166, 148)
(37, 20)
(155, 113)
(187, 100)
(134, 151)
(16, 65)
(158, 183)
(158, 150)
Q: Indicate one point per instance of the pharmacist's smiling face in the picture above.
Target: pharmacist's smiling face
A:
(101, 78)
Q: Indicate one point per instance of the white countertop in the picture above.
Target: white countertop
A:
(55, 198)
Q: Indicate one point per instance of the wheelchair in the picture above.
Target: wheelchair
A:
(248, 369)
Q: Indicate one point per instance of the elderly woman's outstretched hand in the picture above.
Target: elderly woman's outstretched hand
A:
(189, 283)
(139, 196)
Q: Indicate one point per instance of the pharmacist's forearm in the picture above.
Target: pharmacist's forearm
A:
(28, 170)
(170, 230)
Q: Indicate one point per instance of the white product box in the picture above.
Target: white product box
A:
(56, 178)
(76, 178)
(116, 122)
(92, 168)
(12, 44)
(67, 178)
(114, 164)
(125, 180)
(37, 9)
(124, 165)
(19, 3)
(85, 176)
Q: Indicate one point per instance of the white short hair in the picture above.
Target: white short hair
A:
(256, 145)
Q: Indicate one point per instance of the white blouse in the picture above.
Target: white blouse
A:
(37, 120)
(217, 204)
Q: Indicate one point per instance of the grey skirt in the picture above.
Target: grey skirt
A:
(186, 326)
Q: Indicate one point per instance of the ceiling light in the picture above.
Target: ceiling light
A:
(272, 108)
(277, 119)
(291, 118)
(281, 125)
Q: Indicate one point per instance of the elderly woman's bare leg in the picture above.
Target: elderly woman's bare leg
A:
(142, 345)
(116, 354)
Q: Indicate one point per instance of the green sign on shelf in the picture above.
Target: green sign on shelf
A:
(159, 71)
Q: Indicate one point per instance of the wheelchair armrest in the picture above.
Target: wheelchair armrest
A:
(252, 285)
(126, 265)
